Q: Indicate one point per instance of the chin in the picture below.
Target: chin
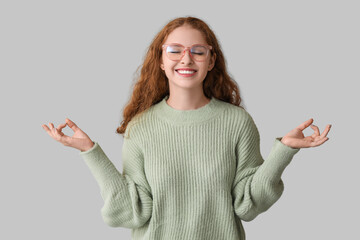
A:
(187, 83)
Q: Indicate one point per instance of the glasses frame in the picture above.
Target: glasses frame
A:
(208, 47)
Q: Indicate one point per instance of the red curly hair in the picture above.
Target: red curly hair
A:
(152, 84)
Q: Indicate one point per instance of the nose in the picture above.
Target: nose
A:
(186, 59)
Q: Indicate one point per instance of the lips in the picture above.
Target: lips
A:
(185, 70)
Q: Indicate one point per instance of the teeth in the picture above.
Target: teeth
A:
(185, 72)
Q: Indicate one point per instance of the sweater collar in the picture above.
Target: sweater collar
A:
(174, 116)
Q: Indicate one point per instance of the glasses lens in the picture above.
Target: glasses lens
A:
(174, 52)
(199, 53)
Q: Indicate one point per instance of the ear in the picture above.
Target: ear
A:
(162, 65)
(212, 62)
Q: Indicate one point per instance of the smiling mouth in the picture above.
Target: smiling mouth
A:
(186, 72)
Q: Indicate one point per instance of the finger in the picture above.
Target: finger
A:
(319, 142)
(55, 129)
(71, 124)
(305, 124)
(316, 129)
(52, 128)
(50, 131)
(56, 134)
(326, 131)
(61, 126)
(47, 129)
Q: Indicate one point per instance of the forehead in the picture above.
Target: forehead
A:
(186, 35)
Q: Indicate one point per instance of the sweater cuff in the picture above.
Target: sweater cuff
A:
(99, 164)
(279, 158)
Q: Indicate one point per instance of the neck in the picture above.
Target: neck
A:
(190, 116)
(187, 101)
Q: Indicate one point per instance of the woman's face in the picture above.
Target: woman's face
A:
(186, 36)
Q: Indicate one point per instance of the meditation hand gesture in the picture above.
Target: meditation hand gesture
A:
(79, 140)
(296, 138)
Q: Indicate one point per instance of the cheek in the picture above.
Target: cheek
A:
(167, 65)
(170, 66)
(204, 67)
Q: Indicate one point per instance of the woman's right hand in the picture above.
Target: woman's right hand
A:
(79, 140)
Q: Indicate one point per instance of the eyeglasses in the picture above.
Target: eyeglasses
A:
(198, 52)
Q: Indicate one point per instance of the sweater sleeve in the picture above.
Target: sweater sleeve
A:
(127, 196)
(257, 184)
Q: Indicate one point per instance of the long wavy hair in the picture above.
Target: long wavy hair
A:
(151, 86)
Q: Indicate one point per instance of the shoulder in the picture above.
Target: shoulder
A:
(239, 120)
(236, 113)
(139, 124)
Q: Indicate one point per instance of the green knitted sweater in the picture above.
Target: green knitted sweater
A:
(189, 174)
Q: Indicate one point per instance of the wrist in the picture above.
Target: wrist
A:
(284, 141)
(288, 143)
(87, 148)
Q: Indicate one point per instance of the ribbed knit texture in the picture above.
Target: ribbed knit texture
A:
(189, 174)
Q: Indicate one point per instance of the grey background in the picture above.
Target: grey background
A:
(292, 59)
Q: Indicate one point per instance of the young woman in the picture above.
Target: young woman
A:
(192, 167)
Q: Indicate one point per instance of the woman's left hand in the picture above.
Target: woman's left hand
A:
(296, 139)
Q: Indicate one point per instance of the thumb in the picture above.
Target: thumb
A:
(71, 124)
